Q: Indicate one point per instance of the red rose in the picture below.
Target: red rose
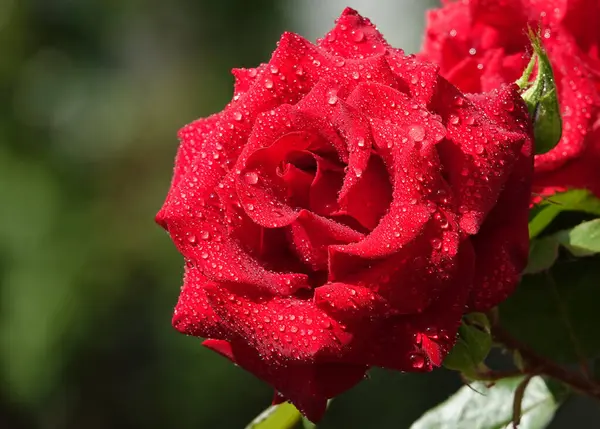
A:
(480, 44)
(343, 210)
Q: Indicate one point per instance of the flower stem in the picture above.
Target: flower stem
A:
(539, 365)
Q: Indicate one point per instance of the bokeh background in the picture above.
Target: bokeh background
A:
(92, 94)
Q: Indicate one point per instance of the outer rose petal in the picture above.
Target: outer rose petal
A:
(280, 329)
(307, 386)
(502, 244)
(354, 37)
(193, 314)
(478, 162)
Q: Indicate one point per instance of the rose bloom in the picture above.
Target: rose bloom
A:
(481, 44)
(344, 211)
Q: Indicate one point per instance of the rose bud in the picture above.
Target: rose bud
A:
(344, 211)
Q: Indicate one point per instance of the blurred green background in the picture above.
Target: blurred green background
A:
(92, 95)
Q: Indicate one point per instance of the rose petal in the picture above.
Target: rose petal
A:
(308, 387)
(193, 314)
(354, 37)
(478, 153)
(279, 328)
(311, 235)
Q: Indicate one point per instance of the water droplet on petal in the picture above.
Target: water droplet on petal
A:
(268, 83)
(358, 36)
(417, 133)
(417, 360)
(332, 99)
(251, 178)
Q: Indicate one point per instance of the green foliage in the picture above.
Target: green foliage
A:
(576, 200)
(556, 312)
(472, 346)
(480, 407)
(543, 253)
(582, 240)
(282, 416)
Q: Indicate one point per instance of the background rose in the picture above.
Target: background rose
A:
(480, 44)
(330, 215)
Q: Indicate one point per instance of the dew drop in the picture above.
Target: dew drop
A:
(332, 99)
(192, 239)
(417, 360)
(251, 178)
(358, 36)
(205, 235)
(417, 133)
(268, 83)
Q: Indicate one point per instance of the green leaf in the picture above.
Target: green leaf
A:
(472, 346)
(544, 213)
(282, 416)
(543, 253)
(556, 312)
(307, 424)
(541, 99)
(480, 407)
(583, 240)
